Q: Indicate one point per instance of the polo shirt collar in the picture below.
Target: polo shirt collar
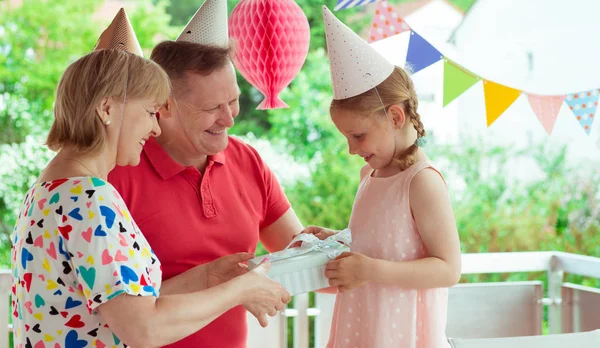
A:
(165, 166)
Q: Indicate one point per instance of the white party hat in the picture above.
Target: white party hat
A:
(355, 66)
(208, 26)
(119, 35)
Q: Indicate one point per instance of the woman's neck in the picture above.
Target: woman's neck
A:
(69, 163)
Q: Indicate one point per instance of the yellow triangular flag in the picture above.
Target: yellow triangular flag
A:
(497, 99)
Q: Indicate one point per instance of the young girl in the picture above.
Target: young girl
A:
(392, 288)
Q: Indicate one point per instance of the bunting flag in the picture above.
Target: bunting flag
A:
(386, 23)
(344, 4)
(497, 99)
(456, 81)
(546, 109)
(584, 105)
(421, 53)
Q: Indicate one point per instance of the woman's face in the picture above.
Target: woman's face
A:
(139, 124)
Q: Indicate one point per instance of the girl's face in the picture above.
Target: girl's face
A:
(371, 137)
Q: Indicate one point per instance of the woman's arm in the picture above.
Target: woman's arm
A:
(207, 275)
(146, 321)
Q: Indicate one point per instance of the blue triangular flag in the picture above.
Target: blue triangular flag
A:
(344, 4)
(421, 53)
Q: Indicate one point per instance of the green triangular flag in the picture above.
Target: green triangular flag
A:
(456, 81)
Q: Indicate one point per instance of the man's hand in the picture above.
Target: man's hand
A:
(225, 268)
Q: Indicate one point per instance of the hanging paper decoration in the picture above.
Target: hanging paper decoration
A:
(344, 4)
(584, 105)
(421, 53)
(386, 23)
(546, 108)
(273, 38)
(456, 81)
(497, 99)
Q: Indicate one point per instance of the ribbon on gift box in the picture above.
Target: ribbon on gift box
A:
(330, 246)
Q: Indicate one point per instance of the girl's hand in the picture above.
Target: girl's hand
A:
(349, 271)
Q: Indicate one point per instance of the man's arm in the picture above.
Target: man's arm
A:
(280, 233)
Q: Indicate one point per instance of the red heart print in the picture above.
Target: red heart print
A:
(65, 314)
(31, 222)
(27, 277)
(65, 230)
(143, 281)
(87, 235)
(27, 327)
(56, 183)
(64, 218)
(41, 276)
(106, 258)
(88, 204)
(100, 344)
(40, 344)
(75, 322)
(79, 254)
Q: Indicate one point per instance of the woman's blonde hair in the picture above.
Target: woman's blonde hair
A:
(100, 74)
(397, 89)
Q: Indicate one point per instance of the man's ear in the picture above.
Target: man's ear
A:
(166, 110)
(397, 116)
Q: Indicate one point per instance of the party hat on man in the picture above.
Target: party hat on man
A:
(208, 26)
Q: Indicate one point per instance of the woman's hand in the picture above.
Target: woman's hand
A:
(349, 271)
(226, 268)
(263, 296)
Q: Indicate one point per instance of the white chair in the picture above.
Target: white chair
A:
(589, 339)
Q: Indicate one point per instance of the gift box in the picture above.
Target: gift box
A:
(302, 269)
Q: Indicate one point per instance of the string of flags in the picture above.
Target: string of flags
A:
(457, 79)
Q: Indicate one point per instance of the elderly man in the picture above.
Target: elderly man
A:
(197, 193)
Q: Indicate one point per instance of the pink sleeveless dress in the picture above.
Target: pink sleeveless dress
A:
(380, 316)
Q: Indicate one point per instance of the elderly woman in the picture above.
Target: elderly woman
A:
(81, 266)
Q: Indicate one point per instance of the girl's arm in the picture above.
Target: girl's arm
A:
(432, 211)
(433, 214)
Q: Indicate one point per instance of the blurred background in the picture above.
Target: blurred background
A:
(513, 186)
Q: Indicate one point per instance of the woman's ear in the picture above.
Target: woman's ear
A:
(397, 115)
(104, 109)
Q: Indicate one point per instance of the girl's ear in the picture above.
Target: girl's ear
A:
(397, 115)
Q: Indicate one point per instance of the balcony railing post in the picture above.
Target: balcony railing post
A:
(555, 282)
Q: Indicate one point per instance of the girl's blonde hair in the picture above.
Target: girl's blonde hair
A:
(100, 74)
(397, 89)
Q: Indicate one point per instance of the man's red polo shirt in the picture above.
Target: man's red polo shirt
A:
(191, 218)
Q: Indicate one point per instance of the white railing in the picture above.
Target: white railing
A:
(583, 303)
(527, 294)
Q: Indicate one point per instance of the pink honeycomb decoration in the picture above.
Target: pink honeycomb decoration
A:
(272, 43)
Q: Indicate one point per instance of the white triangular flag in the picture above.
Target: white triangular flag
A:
(208, 26)
(355, 66)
